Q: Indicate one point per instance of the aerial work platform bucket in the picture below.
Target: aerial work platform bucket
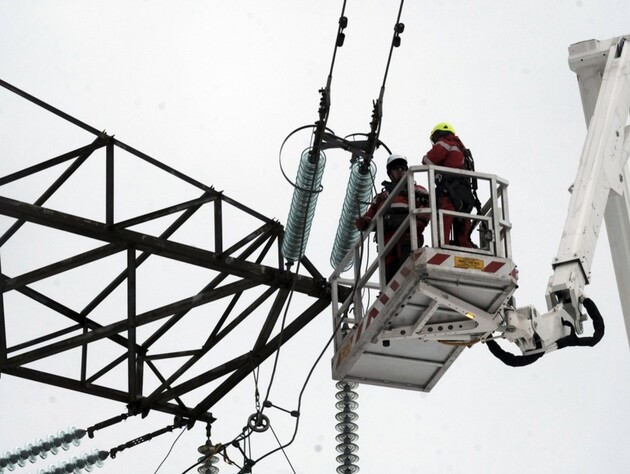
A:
(442, 299)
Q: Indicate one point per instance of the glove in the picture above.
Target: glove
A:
(422, 200)
(362, 223)
(380, 198)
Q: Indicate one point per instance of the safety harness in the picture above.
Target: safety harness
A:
(461, 190)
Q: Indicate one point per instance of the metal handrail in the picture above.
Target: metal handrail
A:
(494, 215)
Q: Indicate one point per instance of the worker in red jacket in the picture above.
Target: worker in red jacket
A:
(395, 215)
(454, 193)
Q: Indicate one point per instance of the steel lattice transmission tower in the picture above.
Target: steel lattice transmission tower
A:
(79, 341)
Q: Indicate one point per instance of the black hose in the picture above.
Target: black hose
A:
(570, 340)
(511, 359)
(598, 329)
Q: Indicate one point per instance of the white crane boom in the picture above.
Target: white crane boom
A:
(588, 60)
(600, 190)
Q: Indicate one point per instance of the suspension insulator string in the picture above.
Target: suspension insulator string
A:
(40, 449)
(358, 196)
(86, 461)
(208, 458)
(208, 452)
(303, 203)
(347, 427)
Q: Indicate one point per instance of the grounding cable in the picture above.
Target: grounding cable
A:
(170, 450)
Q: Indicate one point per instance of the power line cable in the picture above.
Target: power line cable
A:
(320, 126)
(306, 381)
(377, 111)
(283, 450)
(170, 450)
(246, 437)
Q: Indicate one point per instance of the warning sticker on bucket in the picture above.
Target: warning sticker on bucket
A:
(469, 263)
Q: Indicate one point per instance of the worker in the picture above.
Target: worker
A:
(454, 193)
(396, 214)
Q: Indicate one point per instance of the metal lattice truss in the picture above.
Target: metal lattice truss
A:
(106, 344)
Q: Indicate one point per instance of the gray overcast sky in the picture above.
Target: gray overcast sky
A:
(212, 88)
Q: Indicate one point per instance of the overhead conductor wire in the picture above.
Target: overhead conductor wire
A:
(317, 139)
(377, 114)
(373, 140)
(398, 29)
(362, 171)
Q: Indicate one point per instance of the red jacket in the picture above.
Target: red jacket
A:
(447, 151)
(400, 206)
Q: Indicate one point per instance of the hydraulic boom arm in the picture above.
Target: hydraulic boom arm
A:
(600, 190)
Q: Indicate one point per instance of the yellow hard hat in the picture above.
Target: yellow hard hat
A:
(442, 127)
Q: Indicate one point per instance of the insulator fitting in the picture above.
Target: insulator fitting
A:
(208, 459)
(307, 189)
(358, 197)
(347, 427)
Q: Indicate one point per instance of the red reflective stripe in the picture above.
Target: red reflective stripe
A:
(492, 267)
(371, 317)
(438, 259)
(417, 255)
(394, 285)
(357, 336)
(448, 147)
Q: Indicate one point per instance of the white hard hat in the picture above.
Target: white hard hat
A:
(395, 157)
